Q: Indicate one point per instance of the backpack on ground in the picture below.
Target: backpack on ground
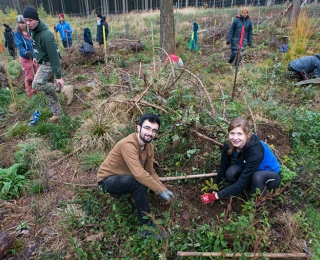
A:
(87, 35)
(86, 48)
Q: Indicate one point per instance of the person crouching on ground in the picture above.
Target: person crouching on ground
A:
(24, 45)
(128, 168)
(246, 161)
(234, 35)
(305, 65)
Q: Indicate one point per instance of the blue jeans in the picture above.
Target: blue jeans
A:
(262, 180)
(126, 183)
(234, 55)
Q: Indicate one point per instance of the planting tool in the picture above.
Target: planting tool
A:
(308, 81)
(105, 48)
(67, 40)
(206, 175)
(238, 61)
(8, 75)
(248, 255)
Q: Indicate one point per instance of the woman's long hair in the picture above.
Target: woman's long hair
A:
(19, 19)
(244, 125)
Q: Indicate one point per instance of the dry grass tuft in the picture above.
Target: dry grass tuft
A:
(302, 30)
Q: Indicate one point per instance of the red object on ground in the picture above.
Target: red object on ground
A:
(174, 58)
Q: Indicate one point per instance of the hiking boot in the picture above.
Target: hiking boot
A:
(54, 119)
(68, 90)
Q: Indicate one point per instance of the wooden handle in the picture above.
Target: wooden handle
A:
(249, 255)
(206, 175)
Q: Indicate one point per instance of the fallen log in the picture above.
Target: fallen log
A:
(206, 175)
(6, 243)
(248, 255)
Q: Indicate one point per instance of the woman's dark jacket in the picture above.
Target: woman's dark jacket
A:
(235, 32)
(8, 35)
(255, 156)
(308, 64)
(99, 37)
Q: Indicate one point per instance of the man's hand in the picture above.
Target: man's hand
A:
(209, 198)
(60, 82)
(54, 27)
(66, 30)
(34, 61)
(29, 54)
(167, 195)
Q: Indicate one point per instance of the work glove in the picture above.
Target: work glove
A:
(66, 30)
(167, 195)
(215, 187)
(29, 54)
(54, 27)
(228, 43)
(208, 198)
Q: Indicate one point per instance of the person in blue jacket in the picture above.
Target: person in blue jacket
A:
(305, 65)
(234, 34)
(65, 31)
(246, 161)
(24, 44)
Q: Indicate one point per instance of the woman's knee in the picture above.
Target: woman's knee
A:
(233, 173)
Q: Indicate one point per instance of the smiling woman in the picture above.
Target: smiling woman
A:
(245, 161)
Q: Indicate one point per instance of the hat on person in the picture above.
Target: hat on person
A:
(20, 19)
(31, 12)
(61, 15)
(7, 26)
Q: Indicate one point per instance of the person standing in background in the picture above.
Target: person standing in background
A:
(65, 31)
(9, 41)
(101, 22)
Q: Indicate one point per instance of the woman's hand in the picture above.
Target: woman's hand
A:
(209, 198)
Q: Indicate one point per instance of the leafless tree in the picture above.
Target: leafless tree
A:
(167, 39)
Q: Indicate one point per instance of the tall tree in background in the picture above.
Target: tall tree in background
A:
(295, 10)
(167, 40)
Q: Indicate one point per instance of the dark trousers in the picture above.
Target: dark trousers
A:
(125, 183)
(301, 74)
(67, 44)
(262, 180)
(12, 51)
(234, 56)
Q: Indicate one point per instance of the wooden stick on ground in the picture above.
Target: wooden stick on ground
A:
(249, 255)
(206, 175)
(206, 138)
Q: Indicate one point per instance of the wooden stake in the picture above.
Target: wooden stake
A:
(173, 178)
(248, 255)
(236, 73)
(8, 74)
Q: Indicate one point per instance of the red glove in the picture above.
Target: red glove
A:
(208, 198)
(54, 27)
(66, 30)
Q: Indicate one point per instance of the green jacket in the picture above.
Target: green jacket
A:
(45, 48)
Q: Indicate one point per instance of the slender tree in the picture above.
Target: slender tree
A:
(167, 40)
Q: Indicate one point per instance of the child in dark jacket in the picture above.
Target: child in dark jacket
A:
(9, 41)
(253, 165)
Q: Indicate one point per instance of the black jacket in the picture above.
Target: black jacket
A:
(99, 37)
(251, 155)
(9, 41)
(308, 64)
(235, 32)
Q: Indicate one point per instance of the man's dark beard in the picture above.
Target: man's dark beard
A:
(142, 138)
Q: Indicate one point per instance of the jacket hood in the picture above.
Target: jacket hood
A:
(239, 16)
(8, 30)
(254, 140)
(41, 27)
(318, 56)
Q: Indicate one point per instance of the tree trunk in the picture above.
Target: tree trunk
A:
(6, 243)
(146, 5)
(269, 3)
(295, 10)
(167, 40)
(115, 7)
(187, 3)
